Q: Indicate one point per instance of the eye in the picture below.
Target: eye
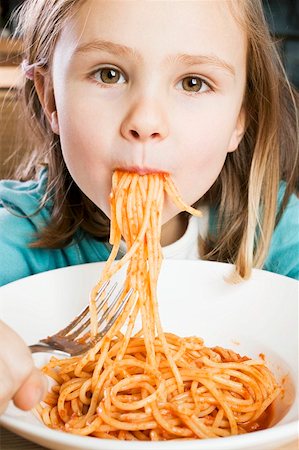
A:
(194, 84)
(109, 75)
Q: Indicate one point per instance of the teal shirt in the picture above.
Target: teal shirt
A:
(18, 260)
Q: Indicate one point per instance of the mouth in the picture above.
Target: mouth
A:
(142, 170)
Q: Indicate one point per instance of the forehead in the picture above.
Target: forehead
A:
(159, 28)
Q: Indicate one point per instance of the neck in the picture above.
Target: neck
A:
(174, 229)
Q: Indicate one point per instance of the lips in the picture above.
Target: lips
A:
(141, 170)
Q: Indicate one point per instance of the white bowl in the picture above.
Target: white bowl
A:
(254, 317)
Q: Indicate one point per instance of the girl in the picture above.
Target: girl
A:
(192, 88)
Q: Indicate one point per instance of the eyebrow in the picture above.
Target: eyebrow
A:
(107, 46)
(191, 60)
(123, 50)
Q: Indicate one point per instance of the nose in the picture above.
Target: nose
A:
(145, 121)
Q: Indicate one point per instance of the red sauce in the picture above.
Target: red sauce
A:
(263, 422)
(278, 409)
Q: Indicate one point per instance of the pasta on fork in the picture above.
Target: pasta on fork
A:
(152, 385)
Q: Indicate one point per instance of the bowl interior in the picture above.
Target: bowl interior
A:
(258, 317)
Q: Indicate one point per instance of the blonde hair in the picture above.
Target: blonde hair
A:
(247, 188)
(245, 193)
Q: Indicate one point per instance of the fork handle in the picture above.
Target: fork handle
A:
(42, 348)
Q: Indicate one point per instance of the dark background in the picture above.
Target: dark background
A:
(283, 19)
(282, 16)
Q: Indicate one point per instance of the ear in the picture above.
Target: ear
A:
(238, 132)
(44, 88)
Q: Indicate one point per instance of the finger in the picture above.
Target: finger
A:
(6, 386)
(32, 391)
(16, 356)
(3, 407)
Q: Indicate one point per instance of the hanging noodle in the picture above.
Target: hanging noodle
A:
(152, 385)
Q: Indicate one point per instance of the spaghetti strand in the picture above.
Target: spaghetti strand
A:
(152, 385)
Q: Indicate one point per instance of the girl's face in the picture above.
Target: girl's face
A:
(148, 86)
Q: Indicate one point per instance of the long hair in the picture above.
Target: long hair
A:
(245, 193)
(39, 23)
(246, 190)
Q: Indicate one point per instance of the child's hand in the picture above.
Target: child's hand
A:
(20, 380)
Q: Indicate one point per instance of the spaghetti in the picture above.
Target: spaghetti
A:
(151, 385)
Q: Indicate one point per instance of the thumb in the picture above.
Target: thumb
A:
(32, 391)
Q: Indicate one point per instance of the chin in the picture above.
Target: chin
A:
(169, 210)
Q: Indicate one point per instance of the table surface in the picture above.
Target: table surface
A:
(10, 441)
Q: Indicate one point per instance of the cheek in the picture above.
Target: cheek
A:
(200, 174)
(204, 150)
(80, 128)
(209, 151)
(206, 141)
(85, 151)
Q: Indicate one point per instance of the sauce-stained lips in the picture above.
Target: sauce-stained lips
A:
(141, 170)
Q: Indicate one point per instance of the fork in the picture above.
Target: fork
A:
(75, 339)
